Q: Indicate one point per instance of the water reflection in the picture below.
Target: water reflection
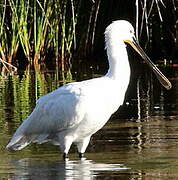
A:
(79, 169)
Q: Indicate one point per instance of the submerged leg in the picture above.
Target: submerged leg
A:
(65, 156)
(81, 155)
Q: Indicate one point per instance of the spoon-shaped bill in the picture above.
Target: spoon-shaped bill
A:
(162, 79)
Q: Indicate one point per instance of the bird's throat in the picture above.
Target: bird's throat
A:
(118, 62)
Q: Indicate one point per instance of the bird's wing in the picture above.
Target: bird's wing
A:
(56, 111)
(59, 110)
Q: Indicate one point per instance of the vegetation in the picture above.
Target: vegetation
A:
(34, 30)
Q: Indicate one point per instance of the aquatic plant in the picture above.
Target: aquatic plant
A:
(36, 29)
(8, 32)
(145, 9)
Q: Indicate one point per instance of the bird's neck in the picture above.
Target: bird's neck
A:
(118, 62)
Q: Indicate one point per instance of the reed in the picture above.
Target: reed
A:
(144, 11)
(54, 31)
(8, 33)
(65, 34)
(42, 14)
(24, 29)
(38, 27)
(2, 35)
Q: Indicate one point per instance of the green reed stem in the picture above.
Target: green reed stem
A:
(24, 34)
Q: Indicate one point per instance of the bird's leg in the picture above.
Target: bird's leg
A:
(65, 156)
(65, 146)
(81, 155)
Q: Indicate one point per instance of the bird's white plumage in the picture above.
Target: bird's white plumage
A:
(75, 111)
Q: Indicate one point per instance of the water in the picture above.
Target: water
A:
(139, 142)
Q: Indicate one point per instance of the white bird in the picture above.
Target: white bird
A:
(74, 112)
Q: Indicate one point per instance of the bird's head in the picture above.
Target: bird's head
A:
(120, 32)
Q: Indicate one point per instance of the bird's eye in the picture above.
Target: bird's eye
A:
(131, 32)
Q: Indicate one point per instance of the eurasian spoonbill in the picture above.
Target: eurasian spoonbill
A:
(74, 112)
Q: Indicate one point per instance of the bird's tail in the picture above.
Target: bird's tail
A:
(18, 143)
